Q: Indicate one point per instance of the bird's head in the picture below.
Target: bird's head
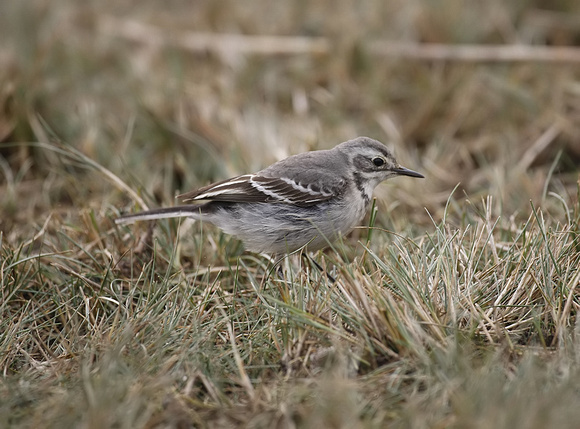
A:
(372, 162)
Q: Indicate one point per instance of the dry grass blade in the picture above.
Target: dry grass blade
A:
(477, 53)
(228, 44)
(211, 42)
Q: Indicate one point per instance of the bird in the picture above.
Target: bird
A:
(306, 201)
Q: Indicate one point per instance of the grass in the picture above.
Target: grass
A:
(456, 307)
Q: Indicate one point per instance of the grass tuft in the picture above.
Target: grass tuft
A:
(456, 305)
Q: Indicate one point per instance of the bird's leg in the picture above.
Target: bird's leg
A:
(317, 265)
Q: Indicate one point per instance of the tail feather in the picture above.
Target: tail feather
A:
(193, 211)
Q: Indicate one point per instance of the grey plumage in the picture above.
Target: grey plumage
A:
(306, 199)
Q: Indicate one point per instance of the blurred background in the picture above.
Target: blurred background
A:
(172, 95)
(106, 102)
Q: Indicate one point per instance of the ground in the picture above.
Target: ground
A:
(455, 303)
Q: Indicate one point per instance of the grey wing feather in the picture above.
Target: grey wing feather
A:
(286, 190)
(303, 180)
(235, 190)
(316, 171)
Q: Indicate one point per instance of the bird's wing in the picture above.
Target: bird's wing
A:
(258, 188)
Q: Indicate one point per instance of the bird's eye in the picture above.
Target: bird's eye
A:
(378, 161)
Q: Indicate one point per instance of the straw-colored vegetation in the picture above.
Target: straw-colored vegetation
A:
(457, 308)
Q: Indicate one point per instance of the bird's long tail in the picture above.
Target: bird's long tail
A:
(193, 211)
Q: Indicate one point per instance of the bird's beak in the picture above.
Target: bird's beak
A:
(402, 171)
